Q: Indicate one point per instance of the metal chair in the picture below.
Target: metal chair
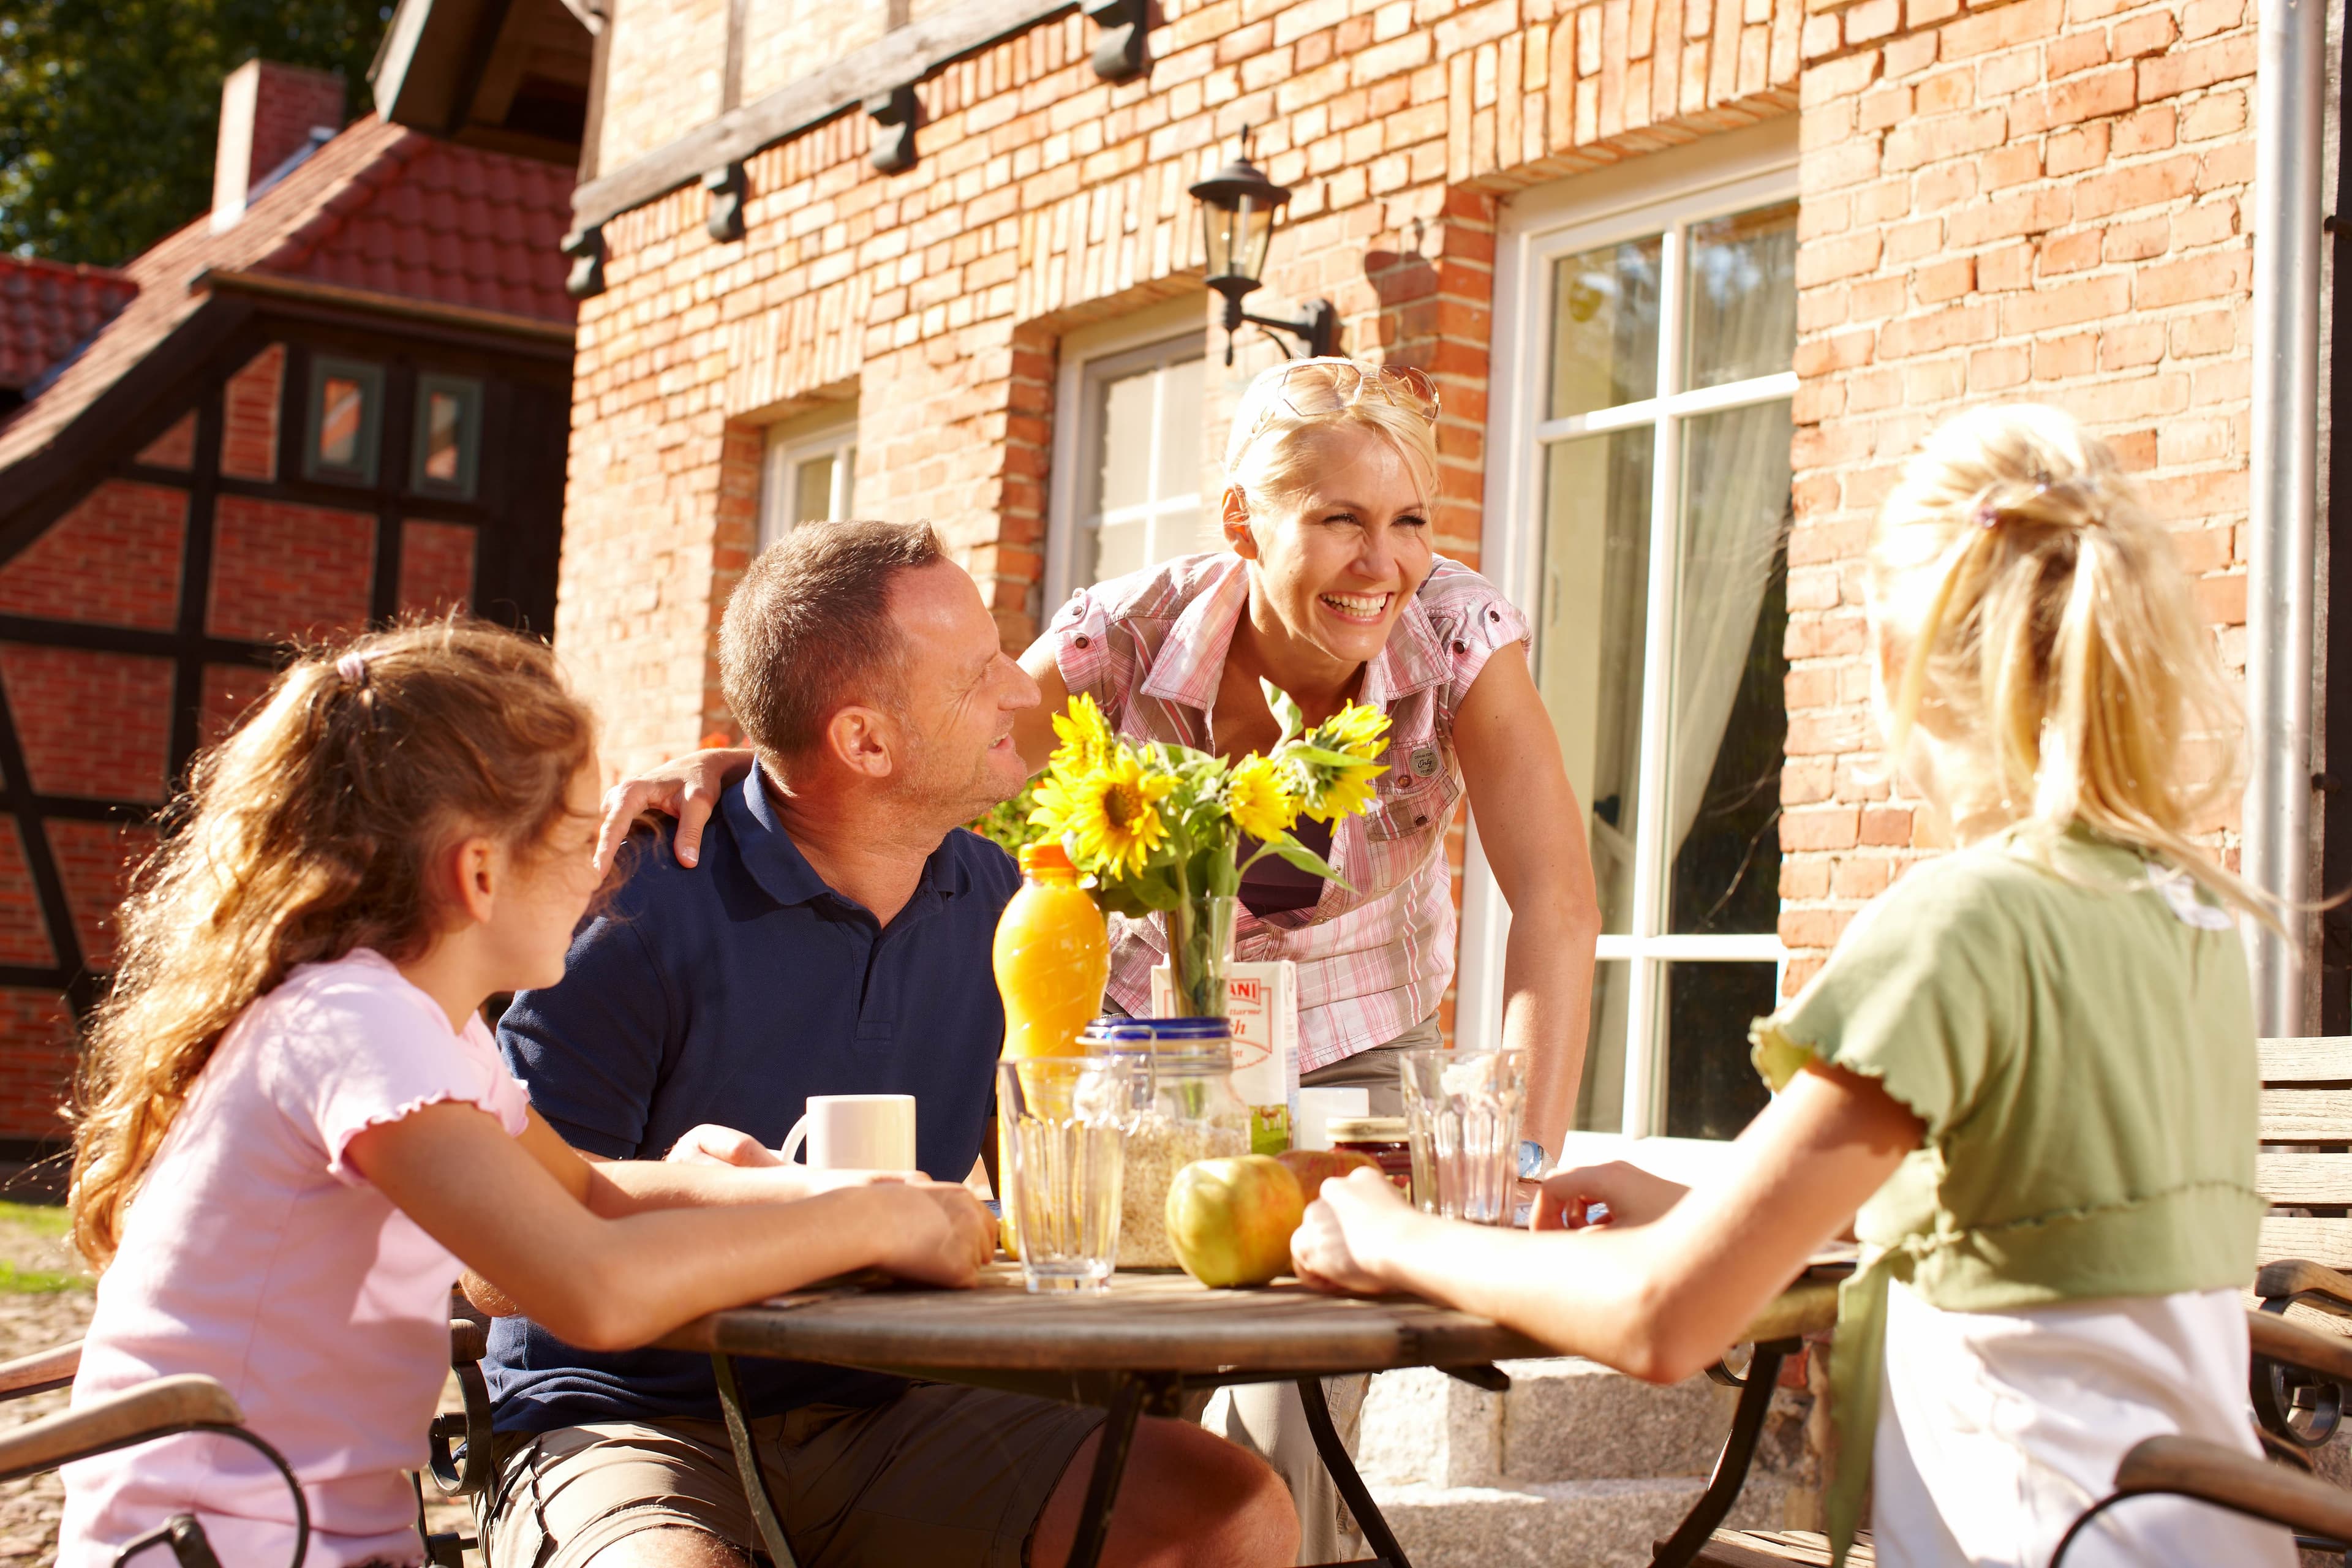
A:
(161, 1408)
(458, 1444)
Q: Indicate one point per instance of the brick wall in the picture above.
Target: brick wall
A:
(96, 724)
(284, 570)
(437, 567)
(2037, 200)
(114, 558)
(250, 417)
(1046, 199)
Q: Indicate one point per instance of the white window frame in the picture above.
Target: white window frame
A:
(1089, 357)
(1661, 193)
(828, 433)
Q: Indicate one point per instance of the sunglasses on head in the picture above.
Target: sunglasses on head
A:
(1314, 388)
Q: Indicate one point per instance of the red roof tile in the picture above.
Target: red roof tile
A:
(47, 307)
(380, 207)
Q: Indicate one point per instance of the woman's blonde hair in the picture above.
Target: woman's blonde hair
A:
(2035, 604)
(304, 834)
(1283, 416)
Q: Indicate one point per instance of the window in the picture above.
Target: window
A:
(346, 420)
(1646, 515)
(809, 473)
(1129, 455)
(448, 436)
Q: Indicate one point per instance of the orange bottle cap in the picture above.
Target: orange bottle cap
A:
(1046, 855)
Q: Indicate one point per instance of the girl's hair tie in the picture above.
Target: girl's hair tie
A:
(352, 668)
(1988, 515)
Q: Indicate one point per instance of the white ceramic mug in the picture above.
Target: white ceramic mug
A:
(856, 1132)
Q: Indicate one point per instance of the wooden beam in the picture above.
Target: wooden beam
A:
(2316, 1059)
(2306, 1116)
(907, 54)
(302, 291)
(2304, 1181)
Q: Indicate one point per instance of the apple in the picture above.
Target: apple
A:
(1313, 1167)
(1230, 1221)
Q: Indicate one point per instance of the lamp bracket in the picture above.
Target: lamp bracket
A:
(1317, 326)
(586, 248)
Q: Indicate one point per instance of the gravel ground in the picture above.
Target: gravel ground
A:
(45, 1300)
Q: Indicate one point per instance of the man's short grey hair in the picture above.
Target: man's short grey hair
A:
(808, 631)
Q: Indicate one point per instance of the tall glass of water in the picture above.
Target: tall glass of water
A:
(1461, 1116)
(1066, 1122)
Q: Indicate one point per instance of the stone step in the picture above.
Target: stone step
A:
(1556, 1524)
(1563, 1420)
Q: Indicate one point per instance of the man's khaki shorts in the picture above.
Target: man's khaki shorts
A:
(941, 1475)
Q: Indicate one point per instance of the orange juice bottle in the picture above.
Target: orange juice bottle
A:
(1052, 959)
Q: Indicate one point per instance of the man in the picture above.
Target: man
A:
(835, 939)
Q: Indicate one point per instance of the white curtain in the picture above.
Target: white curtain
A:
(1735, 506)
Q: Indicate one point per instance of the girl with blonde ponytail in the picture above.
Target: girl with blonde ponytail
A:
(293, 1126)
(2026, 1076)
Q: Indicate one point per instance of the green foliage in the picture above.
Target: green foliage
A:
(42, 1219)
(1008, 824)
(15, 1281)
(110, 109)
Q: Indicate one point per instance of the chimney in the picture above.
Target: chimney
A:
(268, 114)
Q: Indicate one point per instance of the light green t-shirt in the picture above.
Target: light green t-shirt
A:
(2071, 1021)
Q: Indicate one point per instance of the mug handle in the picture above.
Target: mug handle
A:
(793, 1140)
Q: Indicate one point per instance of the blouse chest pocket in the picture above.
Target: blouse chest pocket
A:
(1416, 794)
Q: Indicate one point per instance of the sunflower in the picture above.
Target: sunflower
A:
(1107, 816)
(1085, 735)
(1330, 791)
(1258, 800)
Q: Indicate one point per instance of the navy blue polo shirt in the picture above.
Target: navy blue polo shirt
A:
(730, 993)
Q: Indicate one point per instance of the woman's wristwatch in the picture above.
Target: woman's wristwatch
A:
(1533, 1160)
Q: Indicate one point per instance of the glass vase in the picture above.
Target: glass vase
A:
(1200, 945)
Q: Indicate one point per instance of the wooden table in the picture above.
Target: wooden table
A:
(1139, 1348)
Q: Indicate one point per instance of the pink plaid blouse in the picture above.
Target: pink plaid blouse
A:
(1148, 648)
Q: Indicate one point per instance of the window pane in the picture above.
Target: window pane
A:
(1743, 294)
(1179, 433)
(1120, 548)
(1595, 609)
(1604, 327)
(1601, 1096)
(1712, 1089)
(1730, 708)
(813, 490)
(1174, 533)
(342, 417)
(1126, 472)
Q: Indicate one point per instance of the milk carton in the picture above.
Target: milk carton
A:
(1261, 1005)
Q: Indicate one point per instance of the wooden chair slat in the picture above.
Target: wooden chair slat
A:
(2322, 1241)
(2318, 1059)
(166, 1403)
(1778, 1549)
(42, 1369)
(2295, 1180)
(2306, 1116)
(2192, 1467)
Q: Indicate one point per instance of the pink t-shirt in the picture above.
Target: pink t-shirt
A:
(254, 1253)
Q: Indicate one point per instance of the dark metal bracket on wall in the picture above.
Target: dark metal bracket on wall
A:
(894, 114)
(726, 187)
(1120, 57)
(586, 248)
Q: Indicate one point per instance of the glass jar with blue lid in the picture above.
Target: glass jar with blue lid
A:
(1185, 1109)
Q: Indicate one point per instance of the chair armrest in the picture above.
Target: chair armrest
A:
(1808, 1307)
(2189, 1466)
(40, 1372)
(156, 1409)
(2273, 1338)
(2297, 1280)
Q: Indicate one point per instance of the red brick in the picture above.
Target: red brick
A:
(437, 567)
(91, 724)
(230, 690)
(95, 860)
(282, 571)
(174, 449)
(249, 417)
(113, 559)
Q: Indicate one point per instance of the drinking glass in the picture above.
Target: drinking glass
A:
(1065, 1118)
(1462, 1117)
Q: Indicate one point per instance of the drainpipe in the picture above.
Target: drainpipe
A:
(2289, 90)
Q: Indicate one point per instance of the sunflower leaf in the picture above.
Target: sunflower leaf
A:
(1292, 717)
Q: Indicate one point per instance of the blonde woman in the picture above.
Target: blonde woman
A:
(1331, 589)
(2030, 1066)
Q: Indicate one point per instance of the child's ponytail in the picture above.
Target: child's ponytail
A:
(2042, 614)
(304, 834)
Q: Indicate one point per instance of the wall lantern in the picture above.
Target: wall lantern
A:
(1238, 208)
